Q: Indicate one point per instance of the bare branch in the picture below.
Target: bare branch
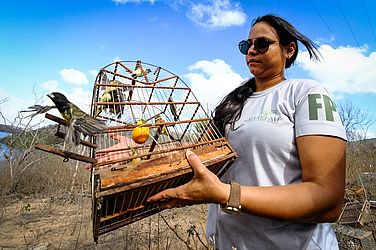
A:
(20, 144)
(356, 121)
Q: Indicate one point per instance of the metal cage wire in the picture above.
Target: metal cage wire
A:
(131, 94)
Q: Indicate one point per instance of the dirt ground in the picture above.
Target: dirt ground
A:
(57, 223)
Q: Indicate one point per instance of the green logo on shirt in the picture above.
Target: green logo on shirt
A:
(267, 116)
(316, 101)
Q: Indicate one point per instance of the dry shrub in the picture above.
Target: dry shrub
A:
(50, 176)
(361, 157)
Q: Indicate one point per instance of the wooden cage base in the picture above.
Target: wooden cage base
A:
(120, 195)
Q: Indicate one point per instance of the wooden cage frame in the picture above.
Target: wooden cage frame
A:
(121, 187)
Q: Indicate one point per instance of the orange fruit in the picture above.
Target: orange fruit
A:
(140, 134)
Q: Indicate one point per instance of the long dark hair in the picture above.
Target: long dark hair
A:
(230, 108)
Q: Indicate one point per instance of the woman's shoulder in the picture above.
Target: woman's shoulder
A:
(297, 90)
(303, 83)
(304, 86)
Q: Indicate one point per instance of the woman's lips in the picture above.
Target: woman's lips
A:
(253, 62)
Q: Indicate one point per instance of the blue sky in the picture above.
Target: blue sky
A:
(60, 45)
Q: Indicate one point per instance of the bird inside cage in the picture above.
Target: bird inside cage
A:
(143, 150)
(115, 95)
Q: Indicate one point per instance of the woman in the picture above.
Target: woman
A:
(291, 150)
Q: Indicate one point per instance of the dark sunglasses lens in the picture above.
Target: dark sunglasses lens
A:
(243, 47)
(261, 45)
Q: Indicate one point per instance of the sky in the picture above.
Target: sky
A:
(60, 46)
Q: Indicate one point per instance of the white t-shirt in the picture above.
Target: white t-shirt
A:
(264, 139)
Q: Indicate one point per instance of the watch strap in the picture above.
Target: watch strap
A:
(233, 204)
(234, 199)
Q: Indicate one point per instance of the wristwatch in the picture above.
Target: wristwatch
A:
(233, 204)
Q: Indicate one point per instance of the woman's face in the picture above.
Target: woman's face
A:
(271, 64)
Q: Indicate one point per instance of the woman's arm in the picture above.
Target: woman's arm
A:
(318, 198)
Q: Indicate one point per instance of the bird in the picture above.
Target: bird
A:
(162, 128)
(138, 71)
(79, 121)
(38, 109)
(111, 94)
(173, 109)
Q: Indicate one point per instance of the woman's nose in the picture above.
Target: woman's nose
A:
(251, 50)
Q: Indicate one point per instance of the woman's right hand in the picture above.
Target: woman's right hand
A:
(205, 187)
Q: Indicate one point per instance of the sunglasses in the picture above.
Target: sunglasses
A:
(260, 44)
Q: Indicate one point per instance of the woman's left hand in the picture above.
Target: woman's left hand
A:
(205, 187)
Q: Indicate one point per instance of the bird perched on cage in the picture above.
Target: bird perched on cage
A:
(79, 121)
(138, 71)
(111, 94)
(162, 128)
(173, 109)
(38, 109)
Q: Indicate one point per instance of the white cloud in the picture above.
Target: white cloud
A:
(212, 81)
(10, 107)
(343, 69)
(325, 40)
(210, 14)
(80, 97)
(74, 76)
(133, 1)
(50, 86)
(217, 14)
(176, 4)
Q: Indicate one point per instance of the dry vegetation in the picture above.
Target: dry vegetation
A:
(45, 212)
(46, 203)
(361, 234)
(361, 157)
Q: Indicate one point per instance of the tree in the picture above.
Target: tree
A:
(356, 121)
(20, 145)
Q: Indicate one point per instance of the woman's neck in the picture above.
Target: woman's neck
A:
(263, 84)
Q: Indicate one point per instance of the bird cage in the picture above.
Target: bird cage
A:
(368, 182)
(153, 117)
(355, 213)
(354, 238)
